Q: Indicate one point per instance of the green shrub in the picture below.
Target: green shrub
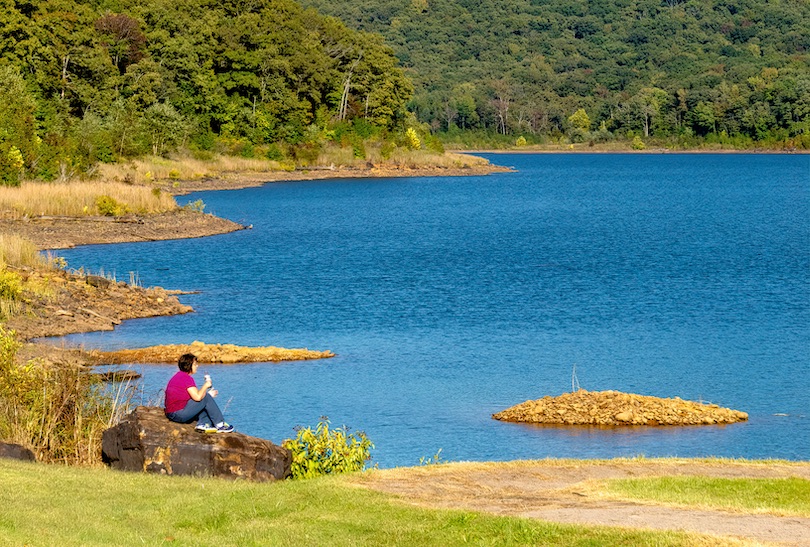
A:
(387, 149)
(10, 285)
(11, 164)
(109, 207)
(197, 206)
(359, 150)
(274, 153)
(412, 140)
(327, 452)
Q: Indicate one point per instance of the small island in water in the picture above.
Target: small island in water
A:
(614, 408)
(208, 353)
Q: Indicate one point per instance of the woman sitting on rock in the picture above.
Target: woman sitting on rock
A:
(185, 403)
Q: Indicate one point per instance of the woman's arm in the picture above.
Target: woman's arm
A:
(198, 394)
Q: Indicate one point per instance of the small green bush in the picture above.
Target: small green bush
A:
(387, 149)
(11, 164)
(358, 148)
(327, 451)
(10, 285)
(197, 206)
(274, 153)
(109, 207)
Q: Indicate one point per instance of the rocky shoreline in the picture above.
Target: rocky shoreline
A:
(235, 181)
(76, 303)
(65, 232)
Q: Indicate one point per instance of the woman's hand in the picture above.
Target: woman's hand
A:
(213, 392)
(199, 394)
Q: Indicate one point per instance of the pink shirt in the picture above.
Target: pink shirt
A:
(177, 391)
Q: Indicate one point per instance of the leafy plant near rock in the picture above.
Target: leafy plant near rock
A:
(326, 451)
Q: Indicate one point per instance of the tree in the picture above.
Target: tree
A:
(163, 127)
(502, 100)
(702, 118)
(649, 102)
(19, 142)
(123, 39)
(580, 120)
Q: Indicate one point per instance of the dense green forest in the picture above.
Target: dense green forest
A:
(83, 81)
(693, 70)
(87, 81)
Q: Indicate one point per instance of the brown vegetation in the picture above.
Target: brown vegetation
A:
(612, 408)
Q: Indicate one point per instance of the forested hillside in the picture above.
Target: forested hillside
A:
(83, 81)
(737, 70)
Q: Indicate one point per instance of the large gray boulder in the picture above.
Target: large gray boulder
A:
(145, 440)
(16, 452)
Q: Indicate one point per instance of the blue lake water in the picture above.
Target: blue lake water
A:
(448, 299)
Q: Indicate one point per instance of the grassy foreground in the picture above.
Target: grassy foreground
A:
(56, 505)
(784, 496)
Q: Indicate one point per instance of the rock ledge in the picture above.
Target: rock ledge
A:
(146, 441)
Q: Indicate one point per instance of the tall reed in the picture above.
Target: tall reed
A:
(55, 408)
(79, 199)
(149, 169)
(18, 251)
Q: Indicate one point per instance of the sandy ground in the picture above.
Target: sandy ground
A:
(565, 491)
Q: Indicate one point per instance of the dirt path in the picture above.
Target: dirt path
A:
(564, 491)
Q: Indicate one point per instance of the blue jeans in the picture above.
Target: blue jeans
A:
(205, 411)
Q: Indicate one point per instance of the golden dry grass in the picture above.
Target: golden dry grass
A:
(148, 169)
(151, 169)
(79, 199)
(415, 159)
(18, 251)
(398, 158)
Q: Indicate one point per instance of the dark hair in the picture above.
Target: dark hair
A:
(186, 361)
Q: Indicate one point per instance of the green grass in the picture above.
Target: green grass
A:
(56, 505)
(783, 496)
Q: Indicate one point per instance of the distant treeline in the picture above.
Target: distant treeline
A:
(83, 81)
(735, 70)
